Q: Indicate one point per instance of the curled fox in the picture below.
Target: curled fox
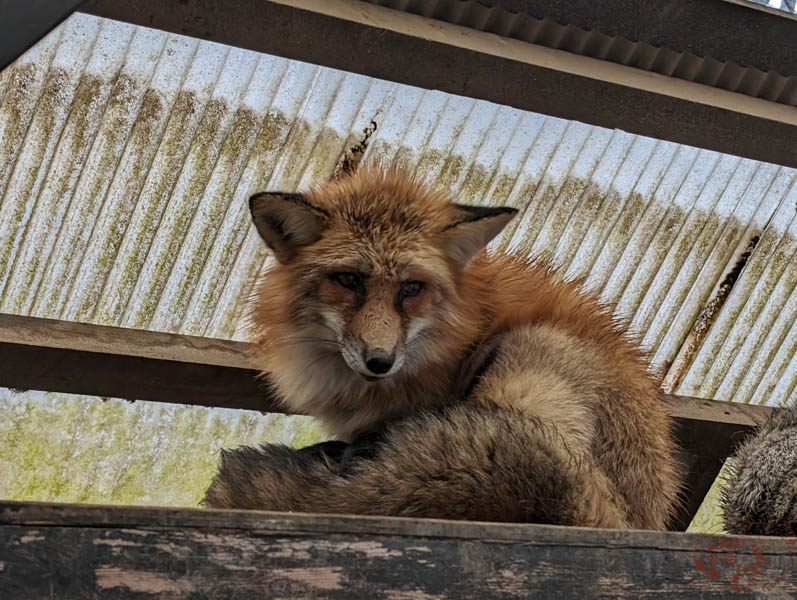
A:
(461, 384)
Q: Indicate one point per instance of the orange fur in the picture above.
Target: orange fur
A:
(600, 397)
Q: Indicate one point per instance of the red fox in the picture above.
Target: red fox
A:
(461, 384)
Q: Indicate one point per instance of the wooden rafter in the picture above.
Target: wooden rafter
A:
(22, 24)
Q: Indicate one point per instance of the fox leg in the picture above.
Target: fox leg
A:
(464, 462)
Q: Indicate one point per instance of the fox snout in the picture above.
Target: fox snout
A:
(379, 362)
(371, 362)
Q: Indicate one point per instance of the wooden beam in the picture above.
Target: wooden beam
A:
(125, 552)
(79, 358)
(726, 30)
(384, 43)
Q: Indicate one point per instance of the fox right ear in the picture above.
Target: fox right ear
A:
(286, 222)
(472, 229)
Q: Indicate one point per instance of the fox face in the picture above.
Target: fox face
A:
(367, 275)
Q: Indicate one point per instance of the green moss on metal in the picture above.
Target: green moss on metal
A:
(634, 207)
(762, 271)
(40, 133)
(429, 164)
(709, 517)
(502, 189)
(266, 151)
(170, 156)
(201, 156)
(75, 142)
(476, 185)
(13, 114)
(453, 165)
(585, 214)
(298, 146)
(78, 449)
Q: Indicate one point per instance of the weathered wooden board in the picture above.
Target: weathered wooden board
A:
(60, 356)
(67, 551)
(78, 358)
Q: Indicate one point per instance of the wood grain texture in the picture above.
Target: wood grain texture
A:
(78, 358)
(65, 551)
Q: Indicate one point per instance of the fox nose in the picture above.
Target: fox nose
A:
(378, 361)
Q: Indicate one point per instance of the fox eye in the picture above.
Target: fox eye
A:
(411, 288)
(350, 281)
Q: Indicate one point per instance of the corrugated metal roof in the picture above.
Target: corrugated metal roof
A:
(786, 6)
(129, 154)
(680, 63)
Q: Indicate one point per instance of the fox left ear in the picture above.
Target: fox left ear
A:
(473, 228)
(287, 222)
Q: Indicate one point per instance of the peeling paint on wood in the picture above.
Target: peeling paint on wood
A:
(145, 582)
(246, 554)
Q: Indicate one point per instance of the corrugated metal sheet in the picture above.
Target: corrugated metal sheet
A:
(682, 64)
(127, 156)
(787, 6)
(130, 153)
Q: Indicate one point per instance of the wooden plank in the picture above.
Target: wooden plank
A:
(65, 551)
(385, 43)
(79, 358)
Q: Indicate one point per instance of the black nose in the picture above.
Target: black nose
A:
(378, 361)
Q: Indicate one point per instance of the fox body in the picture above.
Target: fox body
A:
(469, 385)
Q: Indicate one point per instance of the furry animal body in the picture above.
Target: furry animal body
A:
(760, 493)
(461, 384)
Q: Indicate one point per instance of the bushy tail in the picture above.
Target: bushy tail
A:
(463, 462)
(760, 494)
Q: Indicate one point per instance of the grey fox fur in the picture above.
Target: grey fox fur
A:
(760, 492)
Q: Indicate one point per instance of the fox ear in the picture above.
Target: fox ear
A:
(473, 228)
(286, 222)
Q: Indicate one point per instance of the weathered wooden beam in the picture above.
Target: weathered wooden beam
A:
(79, 358)
(68, 551)
(380, 42)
